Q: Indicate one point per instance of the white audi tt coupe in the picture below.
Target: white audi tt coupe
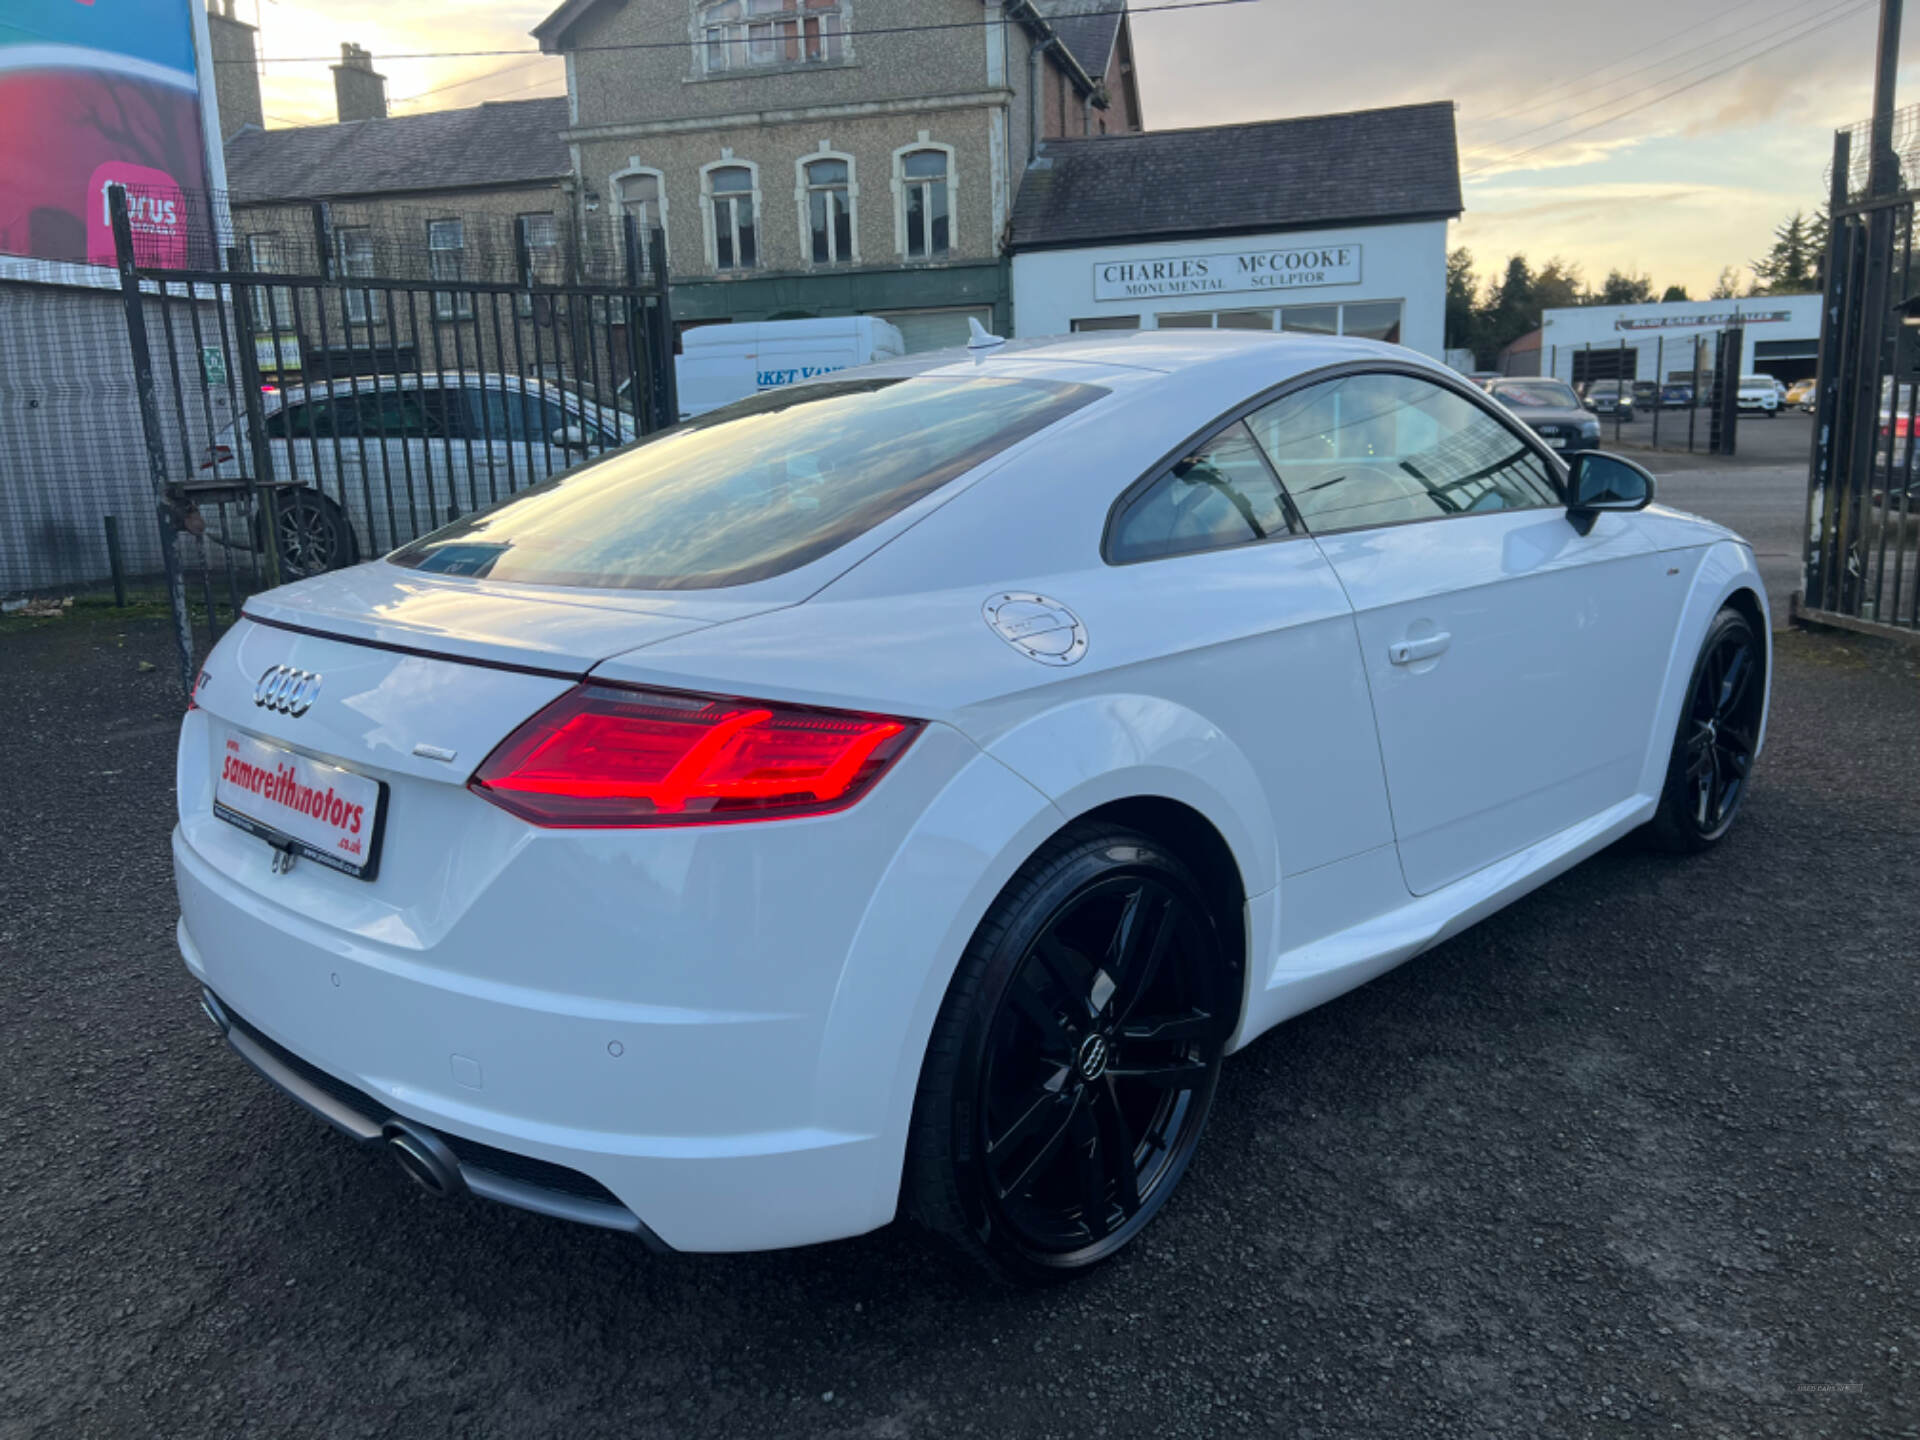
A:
(901, 792)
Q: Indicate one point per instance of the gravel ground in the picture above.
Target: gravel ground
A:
(1639, 1155)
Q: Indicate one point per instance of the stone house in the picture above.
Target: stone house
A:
(832, 157)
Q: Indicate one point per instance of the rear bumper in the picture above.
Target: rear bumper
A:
(483, 1171)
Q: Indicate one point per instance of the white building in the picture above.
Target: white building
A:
(1330, 224)
(1781, 337)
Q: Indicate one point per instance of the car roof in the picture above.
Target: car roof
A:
(1260, 358)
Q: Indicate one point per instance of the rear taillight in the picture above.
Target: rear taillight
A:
(604, 755)
(217, 454)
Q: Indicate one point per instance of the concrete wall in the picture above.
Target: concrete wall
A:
(1053, 288)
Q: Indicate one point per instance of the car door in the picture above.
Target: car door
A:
(1514, 662)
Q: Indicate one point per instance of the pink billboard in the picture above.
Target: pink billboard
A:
(93, 93)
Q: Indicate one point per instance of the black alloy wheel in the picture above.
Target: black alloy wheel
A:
(1712, 762)
(1075, 1059)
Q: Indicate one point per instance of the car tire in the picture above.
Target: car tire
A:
(1711, 765)
(314, 534)
(1074, 1059)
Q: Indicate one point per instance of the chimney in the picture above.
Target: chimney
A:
(358, 92)
(236, 70)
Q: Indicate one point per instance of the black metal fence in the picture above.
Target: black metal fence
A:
(1678, 395)
(313, 393)
(1863, 492)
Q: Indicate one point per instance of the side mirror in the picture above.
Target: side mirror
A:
(569, 437)
(1598, 481)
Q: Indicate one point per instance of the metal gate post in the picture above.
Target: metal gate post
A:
(1659, 382)
(1826, 372)
(663, 341)
(150, 428)
(260, 483)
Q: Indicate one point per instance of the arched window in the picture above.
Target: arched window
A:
(829, 211)
(738, 34)
(638, 195)
(730, 189)
(926, 183)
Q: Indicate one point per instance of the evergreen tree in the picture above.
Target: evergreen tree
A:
(1673, 293)
(1511, 309)
(1789, 267)
(1622, 289)
(1727, 287)
(1463, 320)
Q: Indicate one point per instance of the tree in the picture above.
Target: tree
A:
(1789, 266)
(1623, 289)
(1727, 287)
(1511, 309)
(1673, 293)
(1463, 321)
(1558, 286)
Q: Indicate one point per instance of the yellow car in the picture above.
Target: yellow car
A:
(1800, 393)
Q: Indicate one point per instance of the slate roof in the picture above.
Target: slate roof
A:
(506, 142)
(1087, 28)
(1365, 167)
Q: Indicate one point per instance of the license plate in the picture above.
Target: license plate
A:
(1558, 442)
(301, 805)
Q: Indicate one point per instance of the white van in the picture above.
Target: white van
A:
(723, 363)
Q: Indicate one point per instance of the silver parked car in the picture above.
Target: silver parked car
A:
(366, 464)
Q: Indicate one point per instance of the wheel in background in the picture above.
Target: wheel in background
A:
(312, 533)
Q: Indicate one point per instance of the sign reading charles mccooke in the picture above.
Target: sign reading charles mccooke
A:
(1244, 270)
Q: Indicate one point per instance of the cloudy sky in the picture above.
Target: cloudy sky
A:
(1659, 136)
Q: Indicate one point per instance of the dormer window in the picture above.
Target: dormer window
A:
(741, 34)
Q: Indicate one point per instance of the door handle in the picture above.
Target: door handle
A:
(1406, 652)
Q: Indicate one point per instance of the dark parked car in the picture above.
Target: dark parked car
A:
(1610, 397)
(1676, 397)
(1552, 410)
(1646, 394)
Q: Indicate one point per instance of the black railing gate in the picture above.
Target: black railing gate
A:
(309, 403)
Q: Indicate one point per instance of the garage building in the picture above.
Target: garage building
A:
(1328, 224)
(1658, 342)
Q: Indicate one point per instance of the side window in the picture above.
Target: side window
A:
(1371, 450)
(1223, 494)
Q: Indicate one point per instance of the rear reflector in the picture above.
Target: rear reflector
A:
(604, 755)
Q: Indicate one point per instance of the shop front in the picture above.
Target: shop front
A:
(1154, 231)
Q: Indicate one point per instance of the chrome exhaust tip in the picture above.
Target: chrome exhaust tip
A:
(211, 1008)
(424, 1158)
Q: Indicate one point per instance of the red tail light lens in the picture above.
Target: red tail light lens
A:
(216, 455)
(603, 755)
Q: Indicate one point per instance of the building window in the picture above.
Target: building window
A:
(924, 179)
(731, 192)
(539, 236)
(829, 211)
(641, 194)
(1106, 322)
(353, 246)
(272, 305)
(446, 254)
(1218, 320)
(740, 34)
(1374, 320)
(1311, 319)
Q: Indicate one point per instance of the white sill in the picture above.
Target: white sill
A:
(760, 72)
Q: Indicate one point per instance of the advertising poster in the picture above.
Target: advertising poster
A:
(96, 92)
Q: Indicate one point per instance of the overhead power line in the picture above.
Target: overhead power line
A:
(474, 79)
(1577, 85)
(692, 44)
(1842, 11)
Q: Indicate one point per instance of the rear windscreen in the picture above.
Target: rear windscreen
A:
(751, 490)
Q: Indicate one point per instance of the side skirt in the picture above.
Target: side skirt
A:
(1317, 972)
